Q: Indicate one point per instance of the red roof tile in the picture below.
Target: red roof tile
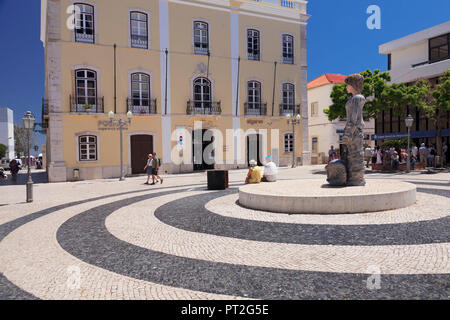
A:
(326, 78)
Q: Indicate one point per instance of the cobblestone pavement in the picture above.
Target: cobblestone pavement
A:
(105, 239)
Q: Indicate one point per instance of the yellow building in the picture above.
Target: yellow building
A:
(224, 64)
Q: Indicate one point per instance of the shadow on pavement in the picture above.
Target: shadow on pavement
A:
(39, 176)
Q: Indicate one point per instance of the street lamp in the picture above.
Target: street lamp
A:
(28, 123)
(294, 121)
(409, 122)
(121, 124)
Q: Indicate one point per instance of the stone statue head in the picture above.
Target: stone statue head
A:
(355, 81)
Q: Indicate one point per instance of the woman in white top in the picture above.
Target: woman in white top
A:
(379, 157)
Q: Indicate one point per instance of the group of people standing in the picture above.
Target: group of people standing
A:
(152, 166)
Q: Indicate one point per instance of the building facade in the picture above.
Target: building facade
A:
(422, 55)
(228, 65)
(324, 133)
(7, 131)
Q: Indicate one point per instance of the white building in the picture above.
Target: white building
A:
(324, 133)
(7, 131)
(423, 54)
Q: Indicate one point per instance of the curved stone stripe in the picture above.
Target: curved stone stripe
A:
(8, 289)
(137, 225)
(189, 213)
(86, 237)
(420, 211)
(31, 258)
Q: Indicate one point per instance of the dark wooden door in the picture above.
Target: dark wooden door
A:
(141, 146)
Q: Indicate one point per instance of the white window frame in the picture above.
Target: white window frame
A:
(95, 34)
(142, 11)
(282, 48)
(197, 50)
(316, 113)
(249, 57)
(312, 144)
(78, 146)
(86, 88)
(290, 142)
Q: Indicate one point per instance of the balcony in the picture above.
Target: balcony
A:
(84, 37)
(201, 48)
(140, 42)
(291, 109)
(141, 106)
(253, 56)
(255, 108)
(297, 5)
(203, 107)
(86, 105)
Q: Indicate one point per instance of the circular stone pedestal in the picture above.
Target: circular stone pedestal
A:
(317, 196)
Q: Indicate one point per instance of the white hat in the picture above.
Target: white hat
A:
(252, 163)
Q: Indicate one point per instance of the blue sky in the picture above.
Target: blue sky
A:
(338, 42)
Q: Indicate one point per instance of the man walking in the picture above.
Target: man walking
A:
(155, 167)
(148, 167)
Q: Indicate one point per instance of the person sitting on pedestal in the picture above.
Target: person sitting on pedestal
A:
(254, 173)
(270, 171)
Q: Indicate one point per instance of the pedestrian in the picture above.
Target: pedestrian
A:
(155, 167)
(14, 168)
(444, 154)
(379, 156)
(414, 151)
(148, 167)
(367, 155)
(332, 154)
(431, 156)
(423, 152)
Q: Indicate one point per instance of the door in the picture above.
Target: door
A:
(198, 147)
(254, 148)
(141, 146)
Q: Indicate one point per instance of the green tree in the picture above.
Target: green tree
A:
(3, 149)
(20, 139)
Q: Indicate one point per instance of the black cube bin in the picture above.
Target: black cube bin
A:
(217, 179)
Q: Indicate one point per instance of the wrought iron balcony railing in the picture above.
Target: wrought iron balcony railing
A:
(253, 56)
(139, 42)
(84, 37)
(288, 59)
(141, 106)
(292, 109)
(255, 108)
(201, 48)
(88, 105)
(203, 107)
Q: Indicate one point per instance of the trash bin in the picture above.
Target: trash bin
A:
(217, 179)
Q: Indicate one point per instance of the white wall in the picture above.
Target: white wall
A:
(7, 130)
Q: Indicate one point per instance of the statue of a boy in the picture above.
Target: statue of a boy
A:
(353, 132)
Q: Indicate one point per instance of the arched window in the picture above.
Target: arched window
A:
(288, 96)
(253, 44)
(202, 93)
(288, 49)
(139, 29)
(201, 37)
(140, 93)
(86, 90)
(87, 148)
(253, 97)
(84, 23)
